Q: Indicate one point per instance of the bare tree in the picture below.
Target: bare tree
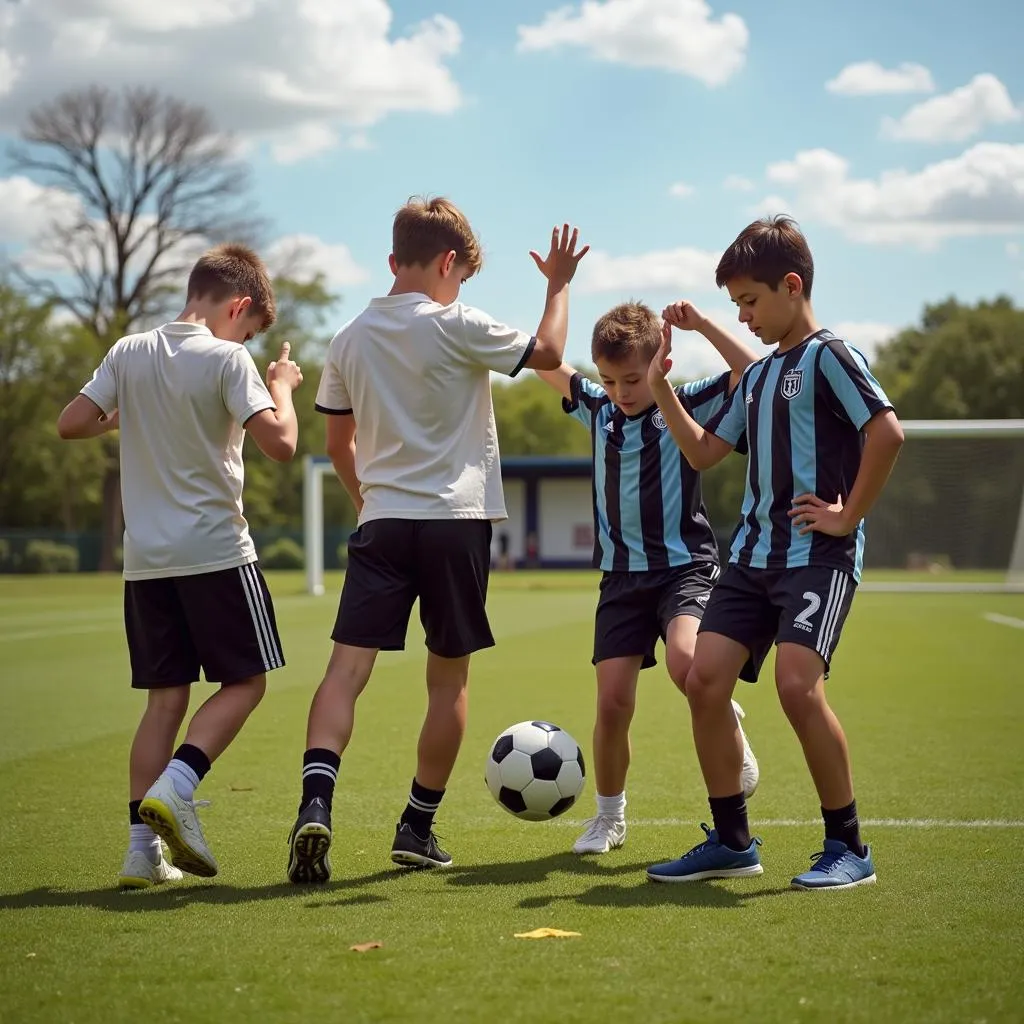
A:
(150, 182)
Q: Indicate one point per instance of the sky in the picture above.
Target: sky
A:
(893, 132)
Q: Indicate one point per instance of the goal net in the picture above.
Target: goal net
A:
(951, 516)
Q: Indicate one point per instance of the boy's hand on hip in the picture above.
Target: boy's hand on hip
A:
(560, 264)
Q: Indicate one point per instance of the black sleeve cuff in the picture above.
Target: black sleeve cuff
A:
(572, 403)
(526, 357)
(332, 412)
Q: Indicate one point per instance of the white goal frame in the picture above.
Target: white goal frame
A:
(316, 467)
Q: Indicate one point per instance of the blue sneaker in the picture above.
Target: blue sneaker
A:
(837, 867)
(709, 859)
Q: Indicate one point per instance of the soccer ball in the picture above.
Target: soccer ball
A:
(535, 771)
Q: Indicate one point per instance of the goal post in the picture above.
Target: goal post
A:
(951, 517)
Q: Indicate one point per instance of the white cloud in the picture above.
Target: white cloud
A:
(681, 36)
(675, 270)
(979, 192)
(303, 142)
(298, 68)
(865, 335)
(869, 78)
(303, 256)
(957, 115)
(680, 190)
(737, 183)
(27, 209)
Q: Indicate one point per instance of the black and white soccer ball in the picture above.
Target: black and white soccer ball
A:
(535, 771)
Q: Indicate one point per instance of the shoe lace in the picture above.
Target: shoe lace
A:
(597, 827)
(826, 861)
(700, 847)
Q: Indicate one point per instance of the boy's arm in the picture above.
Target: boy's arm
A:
(687, 317)
(560, 379)
(82, 418)
(276, 430)
(701, 448)
(558, 267)
(341, 449)
(883, 438)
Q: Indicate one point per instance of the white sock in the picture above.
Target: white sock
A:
(143, 839)
(185, 780)
(612, 806)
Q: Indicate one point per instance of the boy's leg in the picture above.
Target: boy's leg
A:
(233, 627)
(625, 636)
(144, 863)
(373, 615)
(733, 639)
(452, 570)
(680, 644)
(616, 700)
(164, 662)
(815, 604)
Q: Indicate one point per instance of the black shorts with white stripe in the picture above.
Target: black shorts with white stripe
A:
(220, 622)
(759, 607)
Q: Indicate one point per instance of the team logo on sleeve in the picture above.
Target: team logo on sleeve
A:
(659, 421)
(792, 383)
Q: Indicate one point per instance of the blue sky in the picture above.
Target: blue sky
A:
(906, 172)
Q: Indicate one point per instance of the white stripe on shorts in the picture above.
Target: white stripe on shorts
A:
(269, 650)
(830, 617)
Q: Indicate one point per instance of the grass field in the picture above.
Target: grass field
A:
(932, 696)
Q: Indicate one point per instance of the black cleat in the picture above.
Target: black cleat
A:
(411, 851)
(310, 842)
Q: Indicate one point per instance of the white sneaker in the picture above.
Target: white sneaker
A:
(174, 821)
(139, 872)
(751, 773)
(603, 833)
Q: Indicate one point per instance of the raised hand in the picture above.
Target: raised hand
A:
(283, 370)
(560, 264)
(661, 364)
(684, 315)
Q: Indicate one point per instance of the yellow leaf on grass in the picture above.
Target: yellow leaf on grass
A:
(547, 933)
(363, 947)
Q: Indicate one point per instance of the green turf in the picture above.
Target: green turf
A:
(931, 696)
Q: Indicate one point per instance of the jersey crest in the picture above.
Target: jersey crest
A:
(792, 384)
(659, 421)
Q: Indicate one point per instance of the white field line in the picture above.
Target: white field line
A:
(39, 634)
(1004, 620)
(809, 822)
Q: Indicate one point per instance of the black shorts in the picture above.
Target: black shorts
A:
(635, 608)
(222, 622)
(759, 607)
(392, 562)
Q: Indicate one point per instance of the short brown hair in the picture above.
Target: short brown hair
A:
(629, 329)
(426, 228)
(231, 270)
(766, 251)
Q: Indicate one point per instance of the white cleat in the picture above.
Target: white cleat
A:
(139, 872)
(751, 773)
(174, 821)
(603, 833)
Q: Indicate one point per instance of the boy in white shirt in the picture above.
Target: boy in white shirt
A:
(412, 375)
(183, 396)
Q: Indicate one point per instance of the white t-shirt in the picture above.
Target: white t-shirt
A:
(416, 375)
(183, 397)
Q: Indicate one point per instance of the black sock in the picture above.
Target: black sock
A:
(319, 775)
(729, 814)
(194, 758)
(843, 825)
(419, 812)
(133, 812)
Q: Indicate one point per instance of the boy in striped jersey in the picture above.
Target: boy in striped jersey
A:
(821, 438)
(652, 537)
(183, 396)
